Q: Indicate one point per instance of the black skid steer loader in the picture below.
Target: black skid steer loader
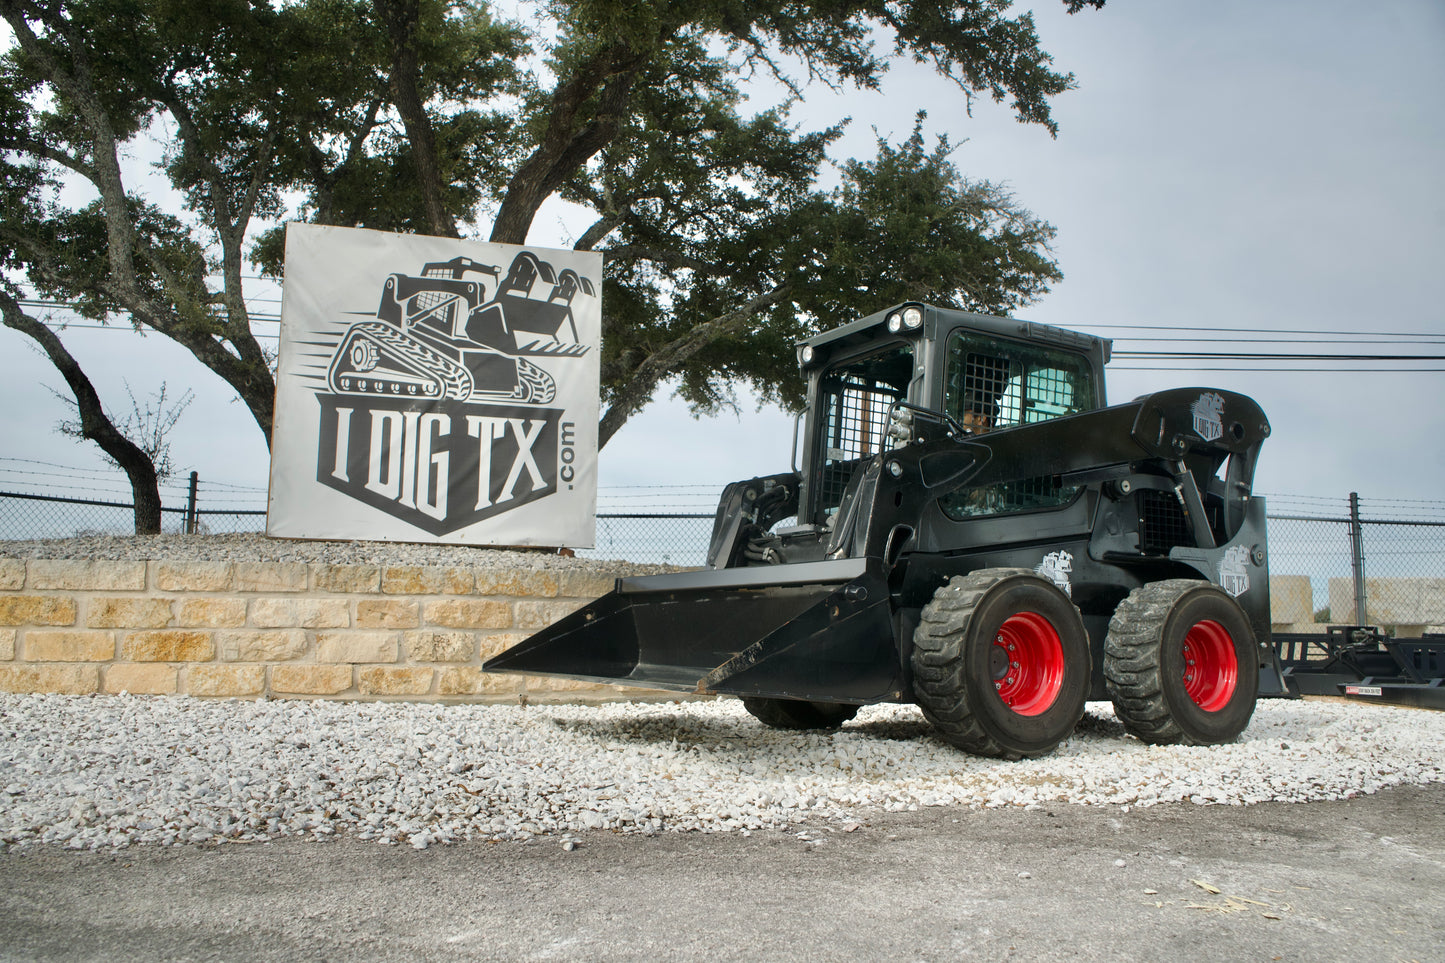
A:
(973, 530)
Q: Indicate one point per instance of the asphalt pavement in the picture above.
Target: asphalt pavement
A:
(1356, 879)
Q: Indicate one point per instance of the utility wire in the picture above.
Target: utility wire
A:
(1271, 356)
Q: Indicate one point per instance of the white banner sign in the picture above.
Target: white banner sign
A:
(435, 390)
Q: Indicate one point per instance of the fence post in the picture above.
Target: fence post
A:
(1357, 560)
(191, 505)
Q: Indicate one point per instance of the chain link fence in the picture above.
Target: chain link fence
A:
(668, 539)
(1331, 563)
(1356, 566)
(27, 516)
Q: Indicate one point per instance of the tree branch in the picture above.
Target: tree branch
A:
(669, 359)
(566, 145)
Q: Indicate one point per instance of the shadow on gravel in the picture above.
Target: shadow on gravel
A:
(1106, 726)
(735, 733)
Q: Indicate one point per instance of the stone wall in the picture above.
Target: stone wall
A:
(282, 629)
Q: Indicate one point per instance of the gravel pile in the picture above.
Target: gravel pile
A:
(92, 772)
(261, 548)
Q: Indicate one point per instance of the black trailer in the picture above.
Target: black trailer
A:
(1363, 663)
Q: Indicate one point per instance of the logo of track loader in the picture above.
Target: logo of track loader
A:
(1056, 567)
(1234, 570)
(436, 407)
(1208, 414)
(447, 335)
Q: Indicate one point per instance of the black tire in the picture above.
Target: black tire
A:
(980, 695)
(797, 714)
(1165, 695)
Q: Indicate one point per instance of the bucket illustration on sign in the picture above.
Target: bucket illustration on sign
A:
(462, 332)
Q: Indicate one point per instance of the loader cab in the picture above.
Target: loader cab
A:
(985, 373)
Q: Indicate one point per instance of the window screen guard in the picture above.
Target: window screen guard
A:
(858, 398)
(1005, 383)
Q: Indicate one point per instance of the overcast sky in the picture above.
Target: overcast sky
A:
(1222, 168)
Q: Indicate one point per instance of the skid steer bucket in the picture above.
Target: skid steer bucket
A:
(818, 631)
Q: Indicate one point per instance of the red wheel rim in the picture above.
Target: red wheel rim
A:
(1027, 663)
(1211, 669)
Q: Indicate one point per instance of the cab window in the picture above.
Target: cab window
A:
(991, 383)
(857, 398)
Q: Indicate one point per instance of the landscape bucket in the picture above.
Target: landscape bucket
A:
(817, 631)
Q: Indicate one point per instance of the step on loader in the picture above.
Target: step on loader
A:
(973, 529)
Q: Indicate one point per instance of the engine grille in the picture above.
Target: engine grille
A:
(1162, 524)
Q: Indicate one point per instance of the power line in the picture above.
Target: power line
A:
(1280, 370)
(1271, 356)
(1213, 332)
(1325, 337)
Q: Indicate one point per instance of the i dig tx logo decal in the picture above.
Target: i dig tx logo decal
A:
(455, 401)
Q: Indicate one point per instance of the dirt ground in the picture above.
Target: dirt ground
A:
(1357, 879)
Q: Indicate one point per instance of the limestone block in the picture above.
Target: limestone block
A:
(12, 573)
(532, 584)
(419, 580)
(211, 613)
(42, 646)
(356, 646)
(226, 680)
(270, 576)
(1342, 601)
(542, 685)
(493, 643)
(539, 615)
(250, 645)
(87, 575)
(149, 678)
(168, 645)
(310, 679)
(468, 614)
(134, 612)
(1291, 599)
(1405, 601)
(388, 614)
(193, 576)
(1390, 601)
(584, 585)
(7, 644)
(394, 680)
(60, 679)
(346, 578)
(37, 610)
(429, 646)
(466, 680)
(267, 613)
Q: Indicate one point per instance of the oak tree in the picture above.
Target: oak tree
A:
(721, 246)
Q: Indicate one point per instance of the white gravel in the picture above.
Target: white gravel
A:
(92, 772)
(255, 547)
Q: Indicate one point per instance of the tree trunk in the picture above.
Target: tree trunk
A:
(399, 17)
(94, 424)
